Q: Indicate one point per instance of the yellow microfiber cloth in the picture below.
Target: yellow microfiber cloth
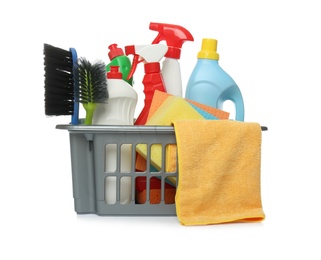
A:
(219, 172)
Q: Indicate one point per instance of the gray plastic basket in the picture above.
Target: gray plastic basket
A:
(88, 146)
(88, 161)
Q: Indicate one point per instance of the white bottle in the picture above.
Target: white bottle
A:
(175, 36)
(171, 72)
(119, 110)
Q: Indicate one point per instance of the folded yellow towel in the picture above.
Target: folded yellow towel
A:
(219, 172)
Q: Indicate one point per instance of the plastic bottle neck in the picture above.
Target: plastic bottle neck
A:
(173, 53)
(152, 67)
(114, 73)
(208, 60)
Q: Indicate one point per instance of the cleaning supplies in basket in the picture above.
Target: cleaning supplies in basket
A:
(206, 166)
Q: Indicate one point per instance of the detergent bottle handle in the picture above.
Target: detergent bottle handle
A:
(234, 95)
(239, 110)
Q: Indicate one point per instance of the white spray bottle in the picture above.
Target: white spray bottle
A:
(119, 110)
(175, 36)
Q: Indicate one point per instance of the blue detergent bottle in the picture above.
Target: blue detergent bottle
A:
(209, 84)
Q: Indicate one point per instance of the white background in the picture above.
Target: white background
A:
(272, 49)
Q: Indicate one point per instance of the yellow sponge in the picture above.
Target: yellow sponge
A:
(160, 96)
(171, 109)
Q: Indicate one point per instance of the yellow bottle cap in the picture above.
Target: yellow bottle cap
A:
(208, 50)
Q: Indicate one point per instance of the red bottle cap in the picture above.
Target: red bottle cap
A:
(174, 35)
(153, 67)
(114, 73)
(114, 51)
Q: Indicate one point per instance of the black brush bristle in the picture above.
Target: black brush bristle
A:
(92, 81)
(59, 89)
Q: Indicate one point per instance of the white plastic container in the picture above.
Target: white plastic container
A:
(119, 110)
(171, 72)
(175, 36)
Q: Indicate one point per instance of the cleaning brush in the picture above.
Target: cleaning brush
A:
(61, 90)
(92, 82)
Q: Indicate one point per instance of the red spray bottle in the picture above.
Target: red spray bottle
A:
(175, 36)
(151, 55)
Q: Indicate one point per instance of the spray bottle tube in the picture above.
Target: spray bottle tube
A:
(175, 36)
(153, 80)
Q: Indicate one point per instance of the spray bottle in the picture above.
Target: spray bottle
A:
(118, 58)
(118, 111)
(151, 55)
(175, 36)
(210, 84)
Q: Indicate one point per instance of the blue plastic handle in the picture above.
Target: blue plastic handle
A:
(75, 116)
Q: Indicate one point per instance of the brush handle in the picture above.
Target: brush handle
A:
(75, 116)
(90, 109)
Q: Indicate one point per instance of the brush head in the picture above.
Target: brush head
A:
(92, 81)
(59, 89)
